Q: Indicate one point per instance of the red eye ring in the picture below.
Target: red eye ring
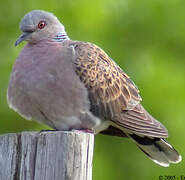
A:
(41, 24)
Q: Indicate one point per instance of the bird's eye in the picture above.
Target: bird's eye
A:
(41, 24)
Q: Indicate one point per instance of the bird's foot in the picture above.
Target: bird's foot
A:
(85, 130)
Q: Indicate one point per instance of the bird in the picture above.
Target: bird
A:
(75, 85)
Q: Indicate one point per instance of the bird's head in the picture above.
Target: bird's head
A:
(40, 25)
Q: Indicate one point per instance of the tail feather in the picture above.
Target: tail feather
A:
(157, 149)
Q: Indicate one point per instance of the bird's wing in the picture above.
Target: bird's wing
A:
(110, 89)
(112, 93)
(139, 121)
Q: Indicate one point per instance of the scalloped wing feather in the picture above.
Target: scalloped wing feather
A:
(113, 95)
(110, 90)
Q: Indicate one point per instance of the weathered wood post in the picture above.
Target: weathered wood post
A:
(56, 155)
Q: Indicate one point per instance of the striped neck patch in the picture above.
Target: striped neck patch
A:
(60, 37)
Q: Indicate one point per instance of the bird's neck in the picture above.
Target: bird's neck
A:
(60, 37)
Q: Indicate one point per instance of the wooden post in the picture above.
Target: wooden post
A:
(51, 155)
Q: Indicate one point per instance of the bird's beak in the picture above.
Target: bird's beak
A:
(23, 37)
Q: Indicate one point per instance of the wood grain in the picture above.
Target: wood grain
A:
(50, 155)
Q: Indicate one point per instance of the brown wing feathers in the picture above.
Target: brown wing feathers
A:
(112, 93)
(141, 122)
(109, 87)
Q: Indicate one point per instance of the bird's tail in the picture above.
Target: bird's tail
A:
(157, 149)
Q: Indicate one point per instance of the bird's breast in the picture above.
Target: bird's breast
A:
(45, 81)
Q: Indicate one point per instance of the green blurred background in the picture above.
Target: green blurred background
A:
(146, 38)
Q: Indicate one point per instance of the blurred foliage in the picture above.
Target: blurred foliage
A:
(146, 38)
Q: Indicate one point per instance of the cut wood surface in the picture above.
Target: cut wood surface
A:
(50, 155)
